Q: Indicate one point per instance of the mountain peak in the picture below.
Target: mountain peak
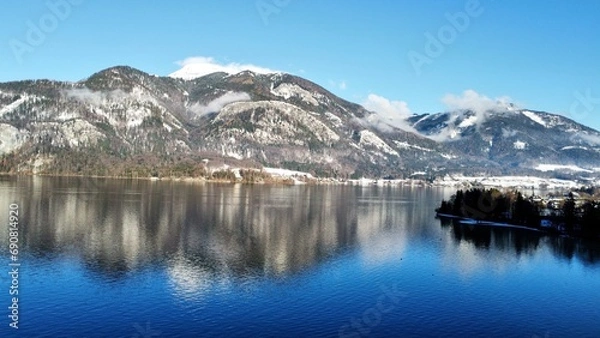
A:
(194, 70)
(277, 119)
(121, 70)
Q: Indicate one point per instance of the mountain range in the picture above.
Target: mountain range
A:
(122, 120)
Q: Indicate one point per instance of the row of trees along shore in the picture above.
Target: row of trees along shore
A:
(567, 214)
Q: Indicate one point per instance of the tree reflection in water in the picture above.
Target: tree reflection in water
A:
(522, 241)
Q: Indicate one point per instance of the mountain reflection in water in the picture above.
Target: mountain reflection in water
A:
(241, 232)
(238, 231)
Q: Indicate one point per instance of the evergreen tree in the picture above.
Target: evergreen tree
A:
(458, 203)
(590, 222)
(568, 210)
(519, 212)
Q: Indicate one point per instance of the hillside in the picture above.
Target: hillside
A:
(122, 121)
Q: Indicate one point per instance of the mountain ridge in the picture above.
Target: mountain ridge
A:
(121, 119)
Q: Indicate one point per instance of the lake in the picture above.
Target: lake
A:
(123, 258)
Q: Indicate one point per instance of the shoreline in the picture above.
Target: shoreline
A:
(274, 180)
(490, 224)
(307, 179)
(473, 221)
(143, 178)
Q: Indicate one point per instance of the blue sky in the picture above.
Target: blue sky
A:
(542, 55)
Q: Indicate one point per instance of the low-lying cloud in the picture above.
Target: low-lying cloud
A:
(480, 105)
(96, 98)
(217, 104)
(592, 140)
(388, 113)
(471, 100)
(197, 66)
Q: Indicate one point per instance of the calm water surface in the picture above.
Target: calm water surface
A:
(116, 258)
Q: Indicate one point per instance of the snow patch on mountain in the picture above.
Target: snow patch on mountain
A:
(287, 90)
(406, 145)
(574, 147)
(535, 118)
(14, 105)
(11, 138)
(559, 167)
(279, 123)
(448, 156)
(368, 138)
(337, 121)
(104, 115)
(73, 133)
(506, 182)
(286, 173)
(135, 117)
(66, 116)
(80, 132)
(519, 145)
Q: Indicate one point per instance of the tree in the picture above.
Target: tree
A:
(525, 211)
(568, 210)
(445, 208)
(590, 221)
(519, 210)
(458, 203)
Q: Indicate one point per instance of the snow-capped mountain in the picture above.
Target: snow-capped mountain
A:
(122, 119)
(122, 115)
(516, 138)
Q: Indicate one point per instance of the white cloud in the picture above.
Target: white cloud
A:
(447, 134)
(506, 133)
(592, 140)
(96, 98)
(480, 105)
(194, 67)
(388, 113)
(218, 103)
(471, 100)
